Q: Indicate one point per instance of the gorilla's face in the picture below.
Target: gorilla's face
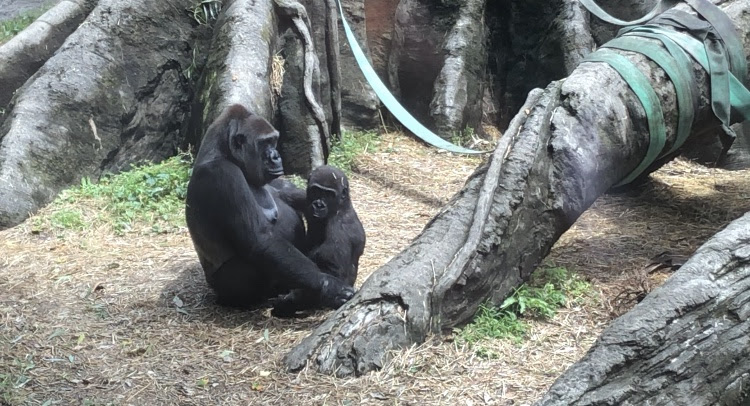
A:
(272, 165)
(253, 142)
(327, 191)
(322, 201)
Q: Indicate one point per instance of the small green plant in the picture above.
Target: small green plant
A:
(151, 194)
(205, 11)
(491, 322)
(67, 218)
(464, 138)
(548, 289)
(14, 379)
(345, 151)
(191, 70)
(10, 28)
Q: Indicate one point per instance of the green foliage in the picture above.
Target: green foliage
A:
(576, 289)
(345, 151)
(297, 181)
(191, 71)
(549, 289)
(67, 218)
(10, 28)
(152, 194)
(464, 138)
(15, 378)
(205, 11)
(492, 323)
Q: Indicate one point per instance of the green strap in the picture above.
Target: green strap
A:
(728, 33)
(594, 9)
(390, 102)
(712, 47)
(739, 95)
(677, 68)
(641, 86)
(715, 44)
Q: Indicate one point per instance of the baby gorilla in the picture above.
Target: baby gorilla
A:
(335, 236)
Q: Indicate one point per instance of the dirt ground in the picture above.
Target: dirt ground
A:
(88, 317)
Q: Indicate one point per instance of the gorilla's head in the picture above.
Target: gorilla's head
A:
(327, 192)
(251, 141)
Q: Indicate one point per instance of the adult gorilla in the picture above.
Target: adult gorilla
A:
(243, 232)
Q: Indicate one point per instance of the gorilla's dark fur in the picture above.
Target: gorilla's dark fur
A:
(247, 238)
(335, 236)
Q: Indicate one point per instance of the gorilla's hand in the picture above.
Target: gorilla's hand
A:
(286, 306)
(334, 292)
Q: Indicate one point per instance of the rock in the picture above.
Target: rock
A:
(458, 90)
(359, 104)
(114, 93)
(25, 53)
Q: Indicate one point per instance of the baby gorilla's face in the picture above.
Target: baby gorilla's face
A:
(321, 201)
(327, 191)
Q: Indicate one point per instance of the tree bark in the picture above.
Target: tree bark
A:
(563, 150)
(304, 124)
(25, 53)
(457, 96)
(114, 93)
(138, 80)
(688, 342)
(238, 65)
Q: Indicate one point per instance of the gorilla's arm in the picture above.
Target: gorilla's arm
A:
(290, 194)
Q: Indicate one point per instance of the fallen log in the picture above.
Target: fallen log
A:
(568, 145)
(687, 342)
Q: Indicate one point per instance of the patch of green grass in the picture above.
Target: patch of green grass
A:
(14, 379)
(67, 218)
(10, 28)
(549, 289)
(345, 151)
(152, 194)
(492, 323)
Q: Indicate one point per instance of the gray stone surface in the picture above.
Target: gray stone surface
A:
(115, 92)
(25, 53)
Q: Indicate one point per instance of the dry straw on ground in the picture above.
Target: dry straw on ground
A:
(89, 317)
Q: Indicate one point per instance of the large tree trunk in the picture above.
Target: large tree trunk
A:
(563, 150)
(136, 81)
(146, 96)
(113, 93)
(25, 53)
(687, 343)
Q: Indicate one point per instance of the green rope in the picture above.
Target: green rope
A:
(728, 33)
(739, 96)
